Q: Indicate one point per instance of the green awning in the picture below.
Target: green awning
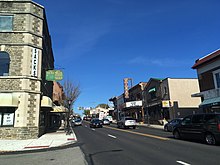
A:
(211, 101)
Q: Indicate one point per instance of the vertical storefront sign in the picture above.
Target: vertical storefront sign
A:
(8, 119)
(126, 93)
(34, 62)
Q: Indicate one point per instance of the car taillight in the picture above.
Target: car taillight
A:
(219, 127)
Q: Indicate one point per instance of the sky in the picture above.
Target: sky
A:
(98, 43)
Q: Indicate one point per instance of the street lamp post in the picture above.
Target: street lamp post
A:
(68, 118)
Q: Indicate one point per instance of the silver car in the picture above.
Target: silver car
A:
(126, 122)
(105, 122)
(77, 122)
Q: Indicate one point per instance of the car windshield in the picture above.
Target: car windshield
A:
(78, 119)
(129, 118)
(95, 120)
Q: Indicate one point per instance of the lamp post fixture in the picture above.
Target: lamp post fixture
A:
(68, 118)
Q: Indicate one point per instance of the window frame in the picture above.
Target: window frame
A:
(216, 82)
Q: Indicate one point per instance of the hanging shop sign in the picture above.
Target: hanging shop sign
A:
(54, 75)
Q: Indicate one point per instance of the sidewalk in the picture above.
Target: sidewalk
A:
(48, 140)
(151, 126)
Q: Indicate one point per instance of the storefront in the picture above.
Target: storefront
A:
(211, 105)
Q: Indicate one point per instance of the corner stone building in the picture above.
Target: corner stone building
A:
(25, 55)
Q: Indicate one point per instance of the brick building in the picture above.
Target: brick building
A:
(25, 55)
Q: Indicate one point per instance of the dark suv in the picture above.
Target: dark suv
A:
(205, 127)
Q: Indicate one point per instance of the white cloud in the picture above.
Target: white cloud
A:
(160, 62)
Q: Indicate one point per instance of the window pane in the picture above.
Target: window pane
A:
(4, 63)
(197, 119)
(217, 76)
(210, 118)
(6, 23)
(186, 120)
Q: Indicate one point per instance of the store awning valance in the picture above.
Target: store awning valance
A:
(9, 100)
(46, 102)
(61, 109)
(211, 101)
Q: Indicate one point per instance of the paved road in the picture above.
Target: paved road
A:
(110, 145)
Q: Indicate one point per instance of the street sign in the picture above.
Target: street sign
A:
(54, 75)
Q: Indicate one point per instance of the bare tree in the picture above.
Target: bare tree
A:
(71, 91)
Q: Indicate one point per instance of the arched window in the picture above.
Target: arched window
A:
(4, 63)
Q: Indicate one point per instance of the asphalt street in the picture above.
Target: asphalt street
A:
(110, 145)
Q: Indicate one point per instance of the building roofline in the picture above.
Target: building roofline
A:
(206, 59)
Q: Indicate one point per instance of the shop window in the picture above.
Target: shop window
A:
(216, 75)
(153, 95)
(7, 117)
(4, 63)
(6, 23)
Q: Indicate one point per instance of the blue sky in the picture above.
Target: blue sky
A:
(100, 42)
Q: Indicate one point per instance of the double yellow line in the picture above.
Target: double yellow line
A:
(138, 133)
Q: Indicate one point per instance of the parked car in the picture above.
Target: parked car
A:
(95, 123)
(88, 118)
(204, 127)
(126, 122)
(77, 122)
(171, 124)
(109, 118)
(105, 122)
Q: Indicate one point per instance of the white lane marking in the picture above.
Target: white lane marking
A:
(112, 136)
(93, 129)
(181, 162)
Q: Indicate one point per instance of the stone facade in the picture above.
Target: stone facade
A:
(28, 28)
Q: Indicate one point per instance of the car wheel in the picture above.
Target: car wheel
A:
(165, 128)
(210, 139)
(134, 127)
(176, 134)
